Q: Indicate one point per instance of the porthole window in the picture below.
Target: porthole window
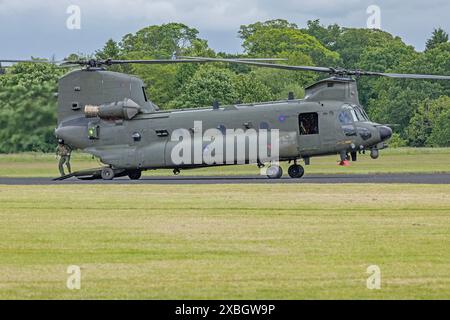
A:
(222, 129)
(136, 136)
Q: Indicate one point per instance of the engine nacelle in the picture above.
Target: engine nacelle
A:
(126, 110)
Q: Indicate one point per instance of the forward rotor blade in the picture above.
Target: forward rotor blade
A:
(239, 59)
(156, 61)
(409, 76)
(332, 71)
(269, 65)
(182, 60)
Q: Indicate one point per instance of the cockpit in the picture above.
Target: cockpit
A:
(351, 114)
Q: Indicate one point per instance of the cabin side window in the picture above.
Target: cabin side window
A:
(308, 123)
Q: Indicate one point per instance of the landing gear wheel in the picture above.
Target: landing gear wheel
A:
(135, 174)
(176, 171)
(374, 154)
(274, 172)
(107, 173)
(296, 171)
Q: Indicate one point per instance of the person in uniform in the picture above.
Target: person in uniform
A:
(63, 151)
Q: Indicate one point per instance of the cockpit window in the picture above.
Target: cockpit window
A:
(145, 94)
(352, 114)
(345, 117)
(362, 116)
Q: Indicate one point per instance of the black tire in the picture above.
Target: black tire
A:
(107, 174)
(274, 172)
(296, 171)
(374, 153)
(135, 174)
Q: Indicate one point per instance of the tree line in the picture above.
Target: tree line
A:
(418, 110)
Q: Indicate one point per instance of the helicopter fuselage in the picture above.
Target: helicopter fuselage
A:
(306, 129)
(328, 121)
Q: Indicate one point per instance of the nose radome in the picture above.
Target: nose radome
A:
(385, 132)
(61, 133)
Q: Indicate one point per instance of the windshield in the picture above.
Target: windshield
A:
(347, 115)
(360, 113)
(353, 113)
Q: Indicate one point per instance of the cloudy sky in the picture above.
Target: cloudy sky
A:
(38, 27)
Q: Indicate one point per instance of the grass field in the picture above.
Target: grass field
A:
(402, 160)
(225, 241)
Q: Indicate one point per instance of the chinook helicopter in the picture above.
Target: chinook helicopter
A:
(109, 115)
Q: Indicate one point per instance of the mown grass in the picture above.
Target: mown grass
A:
(402, 160)
(225, 241)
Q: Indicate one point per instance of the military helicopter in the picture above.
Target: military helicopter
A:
(109, 115)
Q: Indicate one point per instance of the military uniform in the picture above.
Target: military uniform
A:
(64, 152)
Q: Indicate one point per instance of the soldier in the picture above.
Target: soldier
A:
(64, 152)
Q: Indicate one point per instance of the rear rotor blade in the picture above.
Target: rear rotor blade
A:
(98, 63)
(61, 64)
(26, 61)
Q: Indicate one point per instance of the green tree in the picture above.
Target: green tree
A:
(246, 31)
(328, 36)
(438, 37)
(428, 127)
(281, 82)
(396, 101)
(28, 108)
(161, 41)
(208, 84)
(388, 57)
(111, 50)
(272, 38)
(353, 43)
(164, 82)
(441, 132)
(249, 89)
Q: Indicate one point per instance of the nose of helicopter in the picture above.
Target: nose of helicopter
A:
(71, 135)
(60, 133)
(385, 133)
